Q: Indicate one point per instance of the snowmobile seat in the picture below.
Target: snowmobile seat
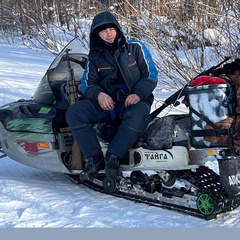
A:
(159, 134)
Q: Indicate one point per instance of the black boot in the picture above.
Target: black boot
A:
(112, 168)
(92, 167)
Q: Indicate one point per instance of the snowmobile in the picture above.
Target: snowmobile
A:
(169, 166)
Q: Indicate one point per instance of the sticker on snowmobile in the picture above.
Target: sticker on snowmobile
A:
(159, 156)
(44, 110)
(176, 156)
(38, 125)
(234, 180)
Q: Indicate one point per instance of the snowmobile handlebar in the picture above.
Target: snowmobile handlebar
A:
(67, 58)
(181, 92)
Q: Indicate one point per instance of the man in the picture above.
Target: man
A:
(117, 84)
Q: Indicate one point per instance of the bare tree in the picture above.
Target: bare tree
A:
(179, 33)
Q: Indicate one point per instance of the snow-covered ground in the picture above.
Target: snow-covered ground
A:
(32, 198)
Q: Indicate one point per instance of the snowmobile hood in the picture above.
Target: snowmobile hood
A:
(103, 18)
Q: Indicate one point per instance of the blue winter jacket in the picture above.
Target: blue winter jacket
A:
(131, 58)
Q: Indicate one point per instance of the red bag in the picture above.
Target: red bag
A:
(206, 79)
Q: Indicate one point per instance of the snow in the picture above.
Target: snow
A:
(33, 198)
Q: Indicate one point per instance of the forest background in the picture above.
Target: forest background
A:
(180, 33)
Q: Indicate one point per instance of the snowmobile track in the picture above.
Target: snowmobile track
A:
(210, 193)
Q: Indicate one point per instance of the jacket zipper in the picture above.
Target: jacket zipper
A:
(124, 78)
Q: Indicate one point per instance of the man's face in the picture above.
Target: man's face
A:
(108, 35)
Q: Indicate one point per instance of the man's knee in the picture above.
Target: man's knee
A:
(69, 114)
(75, 113)
(137, 117)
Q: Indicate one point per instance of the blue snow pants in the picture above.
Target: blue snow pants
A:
(82, 115)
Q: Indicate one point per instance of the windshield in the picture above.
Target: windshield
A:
(53, 86)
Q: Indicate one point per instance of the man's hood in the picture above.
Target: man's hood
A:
(102, 19)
